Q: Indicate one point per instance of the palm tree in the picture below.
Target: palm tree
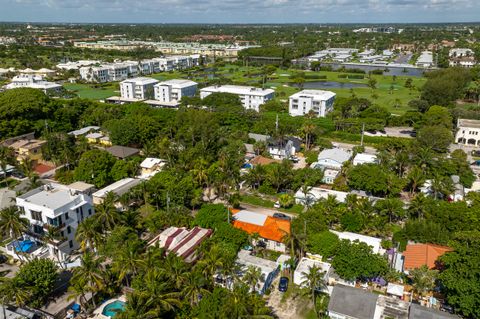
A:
(211, 262)
(106, 214)
(417, 206)
(27, 167)
(308, 198)
(416, 178)
(52, 236)
(7, 156)
(92, 271)
(392, 207)
(314, 282)
(252, 276)
(308, 129)
(12, 224)
(128, 261)
(78, 289)
(256, 176)
(423, 279)
(11, 291)
(174, 268)
(156, 294)
(88, 234)
(200, 172)
(193, 287)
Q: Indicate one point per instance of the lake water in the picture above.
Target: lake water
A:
(391, 70)
(329, 85)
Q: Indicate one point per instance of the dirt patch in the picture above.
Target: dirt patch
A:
(290, 304)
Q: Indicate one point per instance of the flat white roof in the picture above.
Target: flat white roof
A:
(304, 265)
(315, 94)
(177, 83)
(238, 89)
(375, 243)
(52, 196)
(140, 81)
(119, 187)
(250, 217)
(84, 130)
(364, 157)
(150, 162)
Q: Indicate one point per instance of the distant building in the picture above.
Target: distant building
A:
(251, 97)
(461, 57)
(468, 132)
(316, 101)
(34, 82)
(181, 241)
(52, 205)
(28, 148)
(425, 60)
(270, 229)
(138, 88)
(84, 131)
(122, 152)
(150, 166)
(174, 90)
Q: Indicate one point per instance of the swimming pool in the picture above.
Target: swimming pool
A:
(113, 308)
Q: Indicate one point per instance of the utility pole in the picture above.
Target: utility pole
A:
(363, 131)
(168, 203)
(276, 124)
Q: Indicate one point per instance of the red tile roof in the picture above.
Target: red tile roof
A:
(42, 168)
(417, 255)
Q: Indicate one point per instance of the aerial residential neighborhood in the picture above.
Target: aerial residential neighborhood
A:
(239, 160)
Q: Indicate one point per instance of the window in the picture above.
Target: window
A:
(66, 216)
(69, 230)
(37, 229)
(36, 215)
(89, 212)
(70, 243)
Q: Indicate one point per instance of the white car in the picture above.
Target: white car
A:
(277, 204)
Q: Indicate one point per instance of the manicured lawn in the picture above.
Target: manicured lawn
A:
(88, 91)
(257, 201)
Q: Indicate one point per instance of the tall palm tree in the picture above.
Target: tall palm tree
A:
(416, 178)
(211, 262)
(106, 213)
(314, 282)
(92, 271)
(308, 129)
(7, 156)
(12, 224)
(392, 207)
(128, 261)
(12, 292)
(88, 234)
(194, 287)
(252, 276)
(308, 198)
(52, 236)
(417, 206)
(157, 294)
(78, 289)
(174, 268)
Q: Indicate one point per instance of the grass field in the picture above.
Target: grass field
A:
(392, 95)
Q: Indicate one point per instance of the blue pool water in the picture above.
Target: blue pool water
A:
(113, 308)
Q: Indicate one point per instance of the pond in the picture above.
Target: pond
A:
(329, 85)
(388, 69)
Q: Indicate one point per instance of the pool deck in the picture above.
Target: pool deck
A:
(97, 314)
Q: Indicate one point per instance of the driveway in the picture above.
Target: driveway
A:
(11, 269)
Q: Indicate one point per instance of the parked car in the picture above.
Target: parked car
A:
(277, 204)
(281, 216)
(294, 159)
(283, 284)
(476, 153)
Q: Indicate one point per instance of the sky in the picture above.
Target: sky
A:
(240, 11)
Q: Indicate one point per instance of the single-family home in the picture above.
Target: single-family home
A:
(269, 269)
(118, 188)
(418, 255)
(122, 152)
(373, 242)
(181, 241)
(468, 132)
(271, 230)
(303, 268)
(84, 130)
(364, 158)
(352, 303)
(150, 166)
(51, 205)
(417, 311)
(284, 148)
(318, 102)
(28, 148)
(332, 158)
(312, 195)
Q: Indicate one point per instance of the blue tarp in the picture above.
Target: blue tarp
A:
(24, 245)
(76, 307)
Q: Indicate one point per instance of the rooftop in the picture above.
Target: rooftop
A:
(140, 81)
(181, 83)
(150, 162)
(468, 123)
(417, 255)
(315, 94)
(336, 154)
(353, 302)
(244, 257)
(373, 242)
(52, 196)
(84, 130)
(265, 226)
(119, 187)
(238, 89)
(122, 151)
(420, 312)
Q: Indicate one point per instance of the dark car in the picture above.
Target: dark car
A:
(476, 153)
(283, 284)
(281, 216)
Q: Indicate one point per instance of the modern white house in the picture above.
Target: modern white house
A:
(34, 82)
(304, 266)
(118, 188)
(140, 88)
(364, 158)
(468, 132)
(251, 97)
(425, 60)
(174, 90)
(317, 101)
(373, 242)
(53, 205)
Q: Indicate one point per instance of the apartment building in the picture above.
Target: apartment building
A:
(54, 205)
(34, 82)
(138, 88)
(174, 90)
(464, 58)
(251, 97)
(317, 101)
(118, 71)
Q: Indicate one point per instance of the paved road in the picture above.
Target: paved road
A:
(349, 147)
(403, 58)
(399, 132)
(263, 210)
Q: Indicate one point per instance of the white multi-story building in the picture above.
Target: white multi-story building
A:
(98, 74)
(462, 57)
(34, 82)
(54, 205)
(468, 132)
(174, 90)
(306, 101)
(75, 65)
(138, 88)
(251, 97)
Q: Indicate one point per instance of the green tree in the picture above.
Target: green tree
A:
(314, 282)
(437, 138)
(323, 243)
(12, 224)
(286, 200)
(252, 276)
(423, 279)
(91, 271)
(95, 166)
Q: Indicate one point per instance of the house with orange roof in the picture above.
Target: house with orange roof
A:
(417, 255)
(270, 230)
